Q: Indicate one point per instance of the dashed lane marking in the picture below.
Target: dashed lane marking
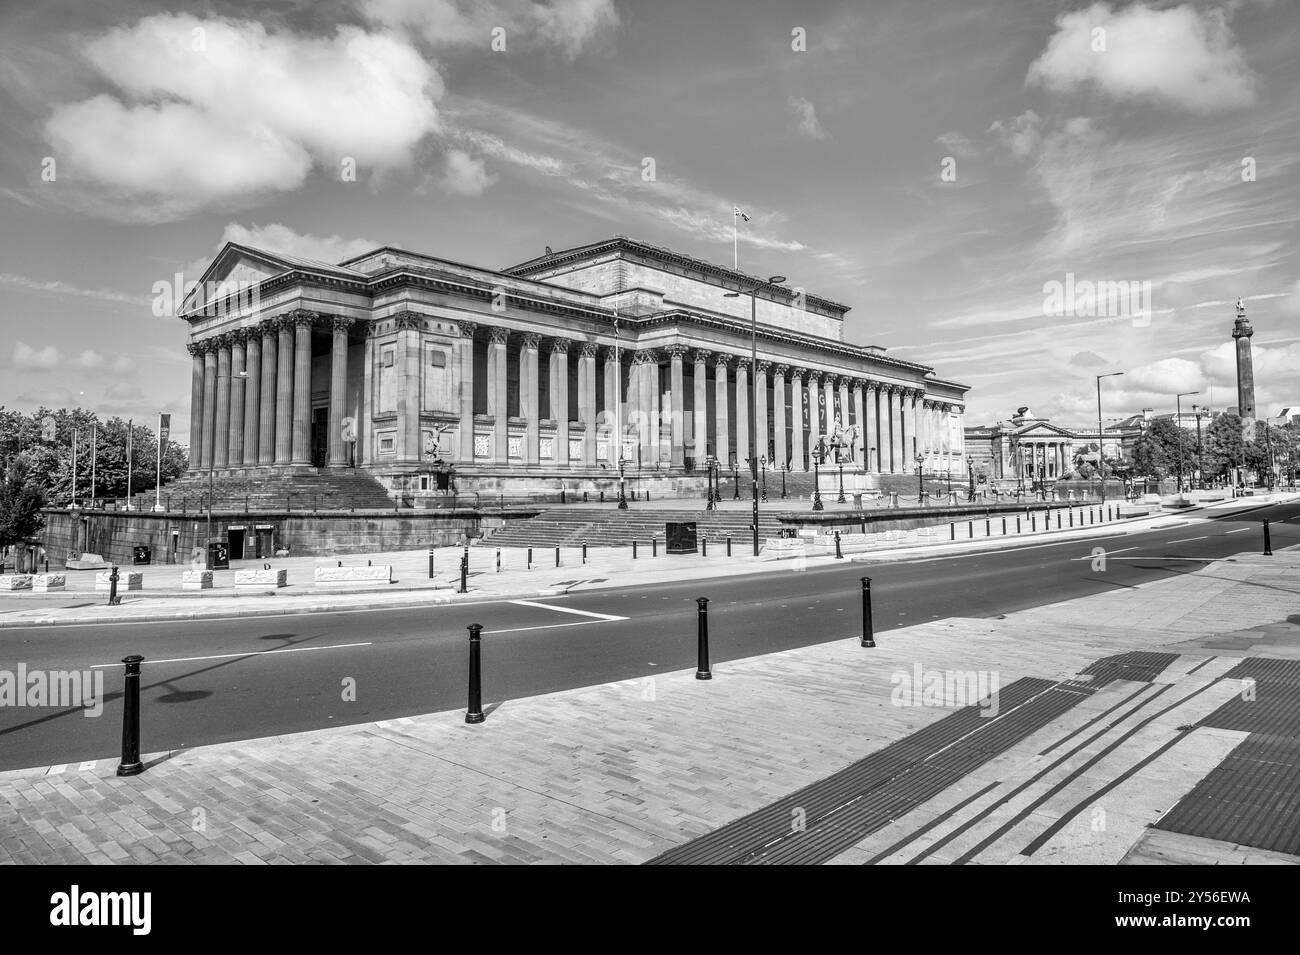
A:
(558, 609)
(231, 656)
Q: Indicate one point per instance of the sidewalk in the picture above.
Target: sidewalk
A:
(621, 773)
(605, 567)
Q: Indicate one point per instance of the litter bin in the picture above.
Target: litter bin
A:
(141, 554)
(680, 537)
(218, 555)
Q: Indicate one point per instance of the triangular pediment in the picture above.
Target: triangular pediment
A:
(1041, 429)
(235, 267)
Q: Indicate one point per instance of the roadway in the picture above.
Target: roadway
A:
(213, 681)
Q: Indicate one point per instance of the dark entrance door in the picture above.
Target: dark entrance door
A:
(265, 542)
(320, 419)
(236, 538)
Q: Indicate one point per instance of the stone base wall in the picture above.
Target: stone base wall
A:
(172, 537)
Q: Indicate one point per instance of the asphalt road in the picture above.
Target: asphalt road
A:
(218, 680)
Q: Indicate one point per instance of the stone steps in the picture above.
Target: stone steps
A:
(560, 527)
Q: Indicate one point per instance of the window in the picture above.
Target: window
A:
(387, 358)
(438, 359)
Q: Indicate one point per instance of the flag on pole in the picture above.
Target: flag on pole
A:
(743, 215)
(164, 427)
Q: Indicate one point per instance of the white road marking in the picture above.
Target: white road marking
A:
(1240, 530)
(1188, 540)
(1108, 554)
(228, 656)
(559, 609)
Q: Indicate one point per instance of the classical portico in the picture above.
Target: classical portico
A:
(571, 363)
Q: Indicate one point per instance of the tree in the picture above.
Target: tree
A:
(21, 501)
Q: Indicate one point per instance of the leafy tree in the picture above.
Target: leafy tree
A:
(1159, 450)
(21, 501)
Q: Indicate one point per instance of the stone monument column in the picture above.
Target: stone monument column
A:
(221, 429)
(587, 402)
(782, 453)
(235, 455)
(465, 384)
(677, 424)
(497, 394)
(252, 395)
(338, 452)
(196, 405)
(797, 459)
(266, 412)
(723, 452)
(301, 447)
(559, 398)
(700, 428)
(530, 396)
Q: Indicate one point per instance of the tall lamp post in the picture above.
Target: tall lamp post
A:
(1101, 435)
(1179, 423)
(1200, 465)
(920, 479)
(753, 386)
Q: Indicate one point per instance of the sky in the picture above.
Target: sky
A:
(958, 173)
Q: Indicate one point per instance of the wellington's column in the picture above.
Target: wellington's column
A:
(338, 390)
(266, 413)
(781, 455)
(465, 378)
(196, 405)
(1241, 335)
(530, 396)
(762, 438)
(797, 460)
(677, 412)
(302, 325)
(723, 452)
(221, 430)
(252, 395)
(700, 424)
(235, 458)
(743, 397)
(284, 394)
(497, 394)
(814, 415)
(587, 402)
(559, 397)
(860, 412)
(209, 401)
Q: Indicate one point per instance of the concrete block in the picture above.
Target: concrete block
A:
(126, 580)
(16, 582)
(196, 580)
(47, 583)
(326, 576)
(261, 579)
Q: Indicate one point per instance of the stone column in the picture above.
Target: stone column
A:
(677, 413)
(496, 394)
(465, 375)
(762, 438)
(828, 392)
(209, 401)
(587, 402)
(700, 425)
(742, 414)
(196, 405)
(844, 404)
(266, 413)
(338, 390)
(814, 415)
(284, 393)
(221, 429)
(559, 398)
(651, 371)
(235, 457)
(252, 396)
(530, 396)
(614, 417)
(797, 462)
(913, 428)
(781, 455)
(723, 440)
(896, 463)
(860, 441)
(302, 326)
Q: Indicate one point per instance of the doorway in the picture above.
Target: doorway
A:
(264, 542)
(320, 420)
(235, 537)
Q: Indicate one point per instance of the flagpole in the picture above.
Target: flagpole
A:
(735, 238)
(94, 456)
(73, 500)
(130, 455)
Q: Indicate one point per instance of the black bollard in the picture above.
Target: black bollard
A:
(130, 764)
(634, 549)
(585, 498)
(112, 587)
(952, 532)
(530, 558)
(704, 547)
(584, 551)
(868, 630)
(1071, 517)
(602, 497)
(474, 712)
(702, 671)
(464, 572)
(1004, 527)
(498, 560)
(1033, 521)
(557, 557)
(728, 546)
(970, 529)
(654, 547)
(1058, 520)
(839, 555)
(987, 532)
(1268, 540)
(1017, 523)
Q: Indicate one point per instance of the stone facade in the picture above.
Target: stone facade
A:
(569, 364)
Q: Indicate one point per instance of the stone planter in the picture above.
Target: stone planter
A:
(48, 583)
(196, 580)
(15, 582)
(128, 580)
(259, 580)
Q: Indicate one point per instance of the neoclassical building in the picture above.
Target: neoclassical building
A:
(1033, 450)
(403, 364)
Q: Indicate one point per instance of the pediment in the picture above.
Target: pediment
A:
(1042, 429)
(235, 268)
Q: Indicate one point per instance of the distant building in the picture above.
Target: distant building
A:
(1288, 415)
(1028, 448)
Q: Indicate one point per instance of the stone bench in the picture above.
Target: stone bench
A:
(16, 582)
(261, 579)
(334, 576)
(778, 547)
(196, 580)
(48, 583)
(126, 580)
(87, 562)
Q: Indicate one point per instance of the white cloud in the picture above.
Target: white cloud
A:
(276, 237)
(1020, 134)
(25, 283)
(569, 26)
(250, 112)
(805, 115)
(1181, 56)
(464, 175)
(25, 356)
(48, 358)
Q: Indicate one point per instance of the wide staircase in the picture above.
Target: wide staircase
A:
(329, 489)
(570, 526)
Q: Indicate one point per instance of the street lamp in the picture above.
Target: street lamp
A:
(753, 387)
(920, 479)
(1200, 463)
(817, 485)
(763, 462)
(1101, 435)
(1179, 423)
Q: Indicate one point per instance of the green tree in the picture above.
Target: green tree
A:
(21, 501)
